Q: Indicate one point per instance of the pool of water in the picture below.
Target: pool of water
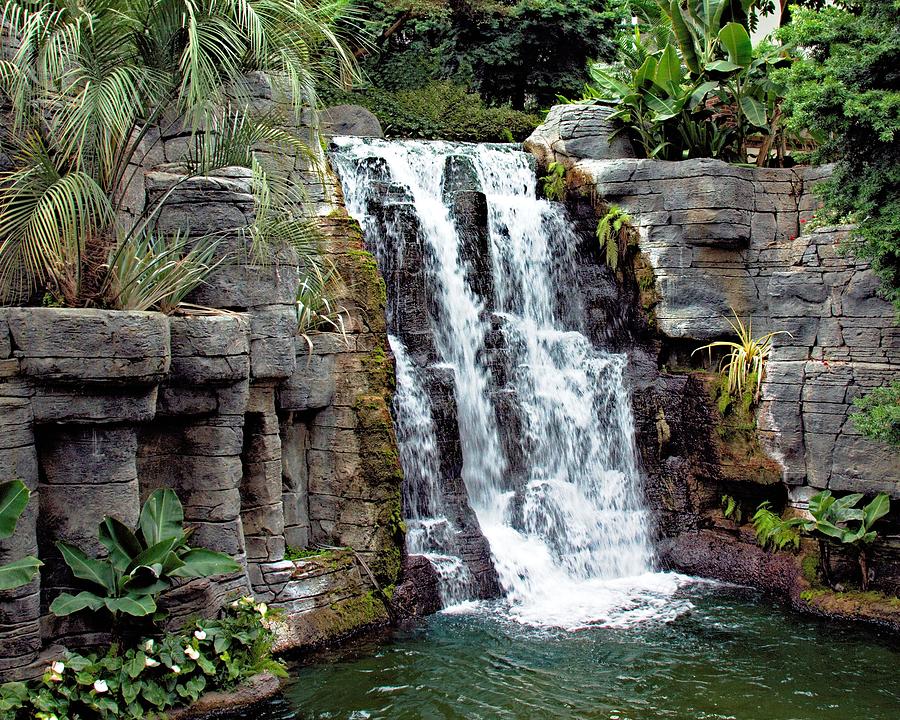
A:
(730, 654)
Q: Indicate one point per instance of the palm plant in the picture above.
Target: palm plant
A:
(746, 358)
(92, 85)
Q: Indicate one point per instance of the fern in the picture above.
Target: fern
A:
(555, 181)
(773, 532)
(613, 233)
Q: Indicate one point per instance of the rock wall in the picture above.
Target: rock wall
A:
(716, 238)
(269, 438)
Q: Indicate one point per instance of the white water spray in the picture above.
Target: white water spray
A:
(557, 492)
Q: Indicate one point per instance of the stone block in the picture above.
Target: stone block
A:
(273, 331)
(311, 385)
(210, 349)
(84, 346)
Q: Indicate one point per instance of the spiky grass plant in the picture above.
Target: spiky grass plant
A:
(316, 309)
(746, 358)
(92, 85)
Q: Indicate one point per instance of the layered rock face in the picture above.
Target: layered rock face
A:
(269, 438)
(717, 239)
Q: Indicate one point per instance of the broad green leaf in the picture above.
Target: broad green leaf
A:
(819, 504)
(136, 605)
(668, 74)
(838, 512)
(736, 41)
(699, 95)
(18, 573)
(13, 500)
(754, 111)
(723, 66)
(162, 517)
(134, 667)
(685, 38)
(878, 508)
(122, 544)
(200, 562)
(156, 554)
(66, 604)
(826, 528)
(645, 73)
(98, 572)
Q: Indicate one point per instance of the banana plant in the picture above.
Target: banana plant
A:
(140, 564)
(13, 501)
(839, 519)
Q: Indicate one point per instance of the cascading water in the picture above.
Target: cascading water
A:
(545, 425)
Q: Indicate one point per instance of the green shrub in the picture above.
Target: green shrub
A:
(441, 110)
(845, 89)
(615, 234)
(555, 182)
(879, 414)
(153, 676)
(772, 531)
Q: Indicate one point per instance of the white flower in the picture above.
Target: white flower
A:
(191, 653)
(58, 667)
(100, 686)
(262, 609)
(148, 646)
(200, 634)
(176, 669)
(234, 604)
(150, 662)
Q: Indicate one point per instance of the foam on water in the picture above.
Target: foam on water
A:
(559, 496)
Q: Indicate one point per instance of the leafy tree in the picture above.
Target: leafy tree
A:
(845, 90)
(521, 52)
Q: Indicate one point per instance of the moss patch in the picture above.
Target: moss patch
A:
(869, 606)
(741, 455)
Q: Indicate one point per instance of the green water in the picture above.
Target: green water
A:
(734, 655)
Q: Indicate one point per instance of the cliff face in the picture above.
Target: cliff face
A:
(715, 238)
(269, 438)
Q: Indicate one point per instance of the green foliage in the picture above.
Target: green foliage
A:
(153, 676)
(731, 509)
(13, 501)
(295, 553)
(879, 414)
(441, 109)
(614, 234)
(140, 564)
(91, 88)
(555, 181)
(840, 519)
(746, 358)
(692, 85)
(845, 89)
(316, 311)
(512, 52)
(772, 531)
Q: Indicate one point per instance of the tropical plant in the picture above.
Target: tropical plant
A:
(614, 233)
(693, 85)
(555, 181)
(93, 87)
(845, 89)
(316, 310)
(774, 532)
(140, 564)
(839, 519)
(879, 414)
(746, 358)
(154, 675)
(14, 497)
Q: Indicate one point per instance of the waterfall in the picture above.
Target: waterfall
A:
(482, 291)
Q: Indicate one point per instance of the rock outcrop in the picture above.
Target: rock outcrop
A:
(717, 239)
